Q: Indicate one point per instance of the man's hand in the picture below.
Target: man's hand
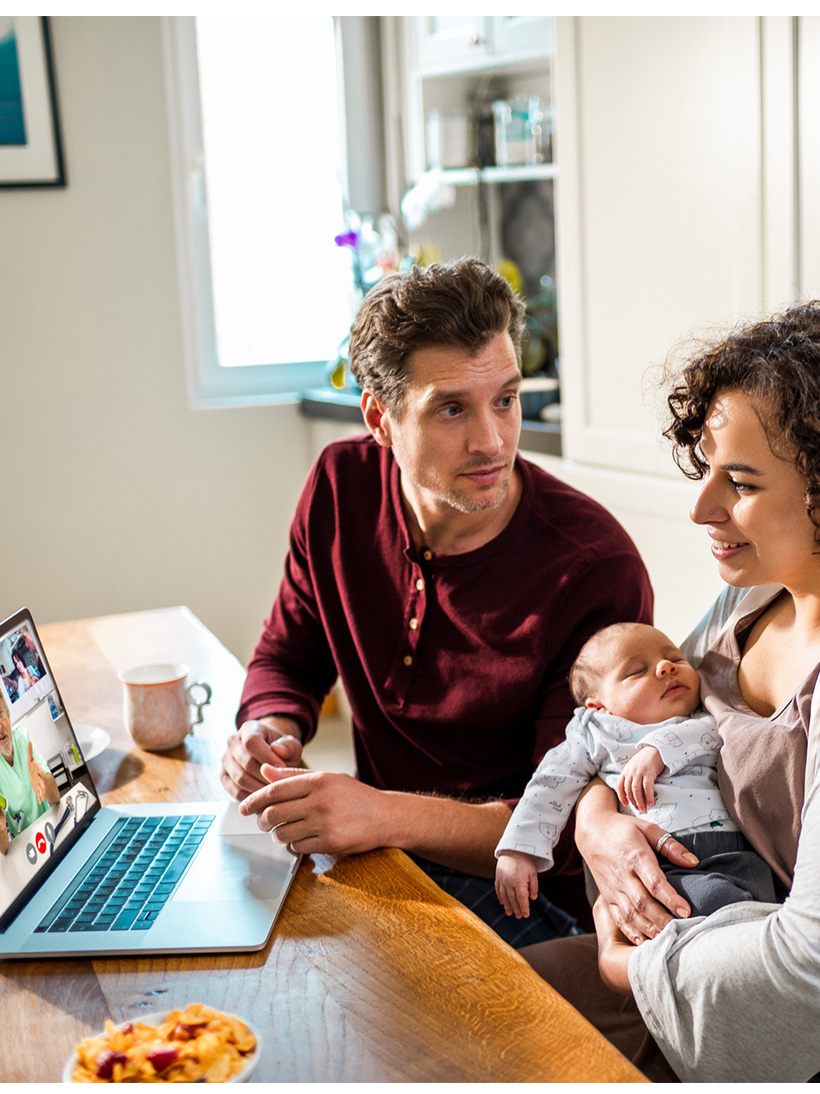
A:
(620, 852)
(323, 812)
(320, 812)
(275, 741)
(613, 950)
(516, 882)
(636, 786)
(4, 833)
(35, 772)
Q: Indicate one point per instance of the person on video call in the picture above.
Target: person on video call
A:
(28, 667)
(450, 584)
(26, 784)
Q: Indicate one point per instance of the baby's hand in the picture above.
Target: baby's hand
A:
(516, 882)
(636, 786)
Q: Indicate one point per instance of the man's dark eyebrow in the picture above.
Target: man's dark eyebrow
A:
(453, 396)
(446, 396)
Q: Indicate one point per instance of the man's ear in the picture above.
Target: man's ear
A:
(377, 419)
(595, 704)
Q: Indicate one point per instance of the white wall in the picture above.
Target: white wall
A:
(117, 495)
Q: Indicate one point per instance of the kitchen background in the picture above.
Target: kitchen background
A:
(681, 177)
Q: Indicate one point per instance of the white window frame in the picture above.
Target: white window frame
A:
(210, 383)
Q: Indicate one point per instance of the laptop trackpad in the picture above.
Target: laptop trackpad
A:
(232, 866)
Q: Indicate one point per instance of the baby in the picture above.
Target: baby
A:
(640, 728)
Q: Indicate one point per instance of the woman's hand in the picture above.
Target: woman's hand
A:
(620, 852)
(613, 950)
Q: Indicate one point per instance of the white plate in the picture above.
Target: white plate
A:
(93, 740)
(155, 1020)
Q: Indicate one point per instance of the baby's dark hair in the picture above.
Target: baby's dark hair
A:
(586, 669)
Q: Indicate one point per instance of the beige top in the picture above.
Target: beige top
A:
(762, 763)
(735, 996)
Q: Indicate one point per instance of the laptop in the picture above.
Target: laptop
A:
(79, 878)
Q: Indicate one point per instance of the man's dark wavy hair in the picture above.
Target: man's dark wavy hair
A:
(462, 304)
(776, 363)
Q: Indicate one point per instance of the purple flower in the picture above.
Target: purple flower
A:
(347, 239)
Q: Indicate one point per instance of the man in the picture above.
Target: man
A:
(27, 787)
(450, 584)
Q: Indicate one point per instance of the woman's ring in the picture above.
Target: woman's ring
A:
(663, 839)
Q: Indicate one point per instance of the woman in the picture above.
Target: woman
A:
(735, 997)
(27, 674)
(26, 677)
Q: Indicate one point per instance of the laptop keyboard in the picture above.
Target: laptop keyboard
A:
(130, 876)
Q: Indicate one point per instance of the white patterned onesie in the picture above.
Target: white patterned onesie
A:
(687, 798)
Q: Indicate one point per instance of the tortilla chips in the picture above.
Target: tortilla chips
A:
(197, 1044)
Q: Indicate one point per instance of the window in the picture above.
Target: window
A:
(257, 162)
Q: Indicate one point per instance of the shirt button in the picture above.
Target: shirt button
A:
(427, 555)
(414, 624)
(420, 584)
(408, 660)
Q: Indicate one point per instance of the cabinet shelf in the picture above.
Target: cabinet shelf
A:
(471, 176)
(520, 173)
(444, 45)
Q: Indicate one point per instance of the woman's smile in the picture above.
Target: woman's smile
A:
(752, 501)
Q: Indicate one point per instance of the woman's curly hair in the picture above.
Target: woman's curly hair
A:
(777, 363)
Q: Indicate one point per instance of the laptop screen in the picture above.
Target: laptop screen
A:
(46, 791)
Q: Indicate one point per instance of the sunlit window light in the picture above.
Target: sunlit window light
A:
(270, 115)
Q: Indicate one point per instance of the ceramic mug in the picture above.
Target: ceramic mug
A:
(157, 705)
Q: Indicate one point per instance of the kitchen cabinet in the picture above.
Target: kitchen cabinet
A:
(450, 43)
(453, 65)
(674, 202)
(684, 205)
(517, 36)
(456, 67)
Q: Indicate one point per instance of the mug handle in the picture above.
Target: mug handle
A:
(199, 705)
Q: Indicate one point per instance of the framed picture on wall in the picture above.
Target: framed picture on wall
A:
(30, 148)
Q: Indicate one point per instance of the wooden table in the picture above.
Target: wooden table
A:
(373, 974)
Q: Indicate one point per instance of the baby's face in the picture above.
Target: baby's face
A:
(644, 678)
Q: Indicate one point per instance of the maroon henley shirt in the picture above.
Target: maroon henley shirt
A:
(455, 666)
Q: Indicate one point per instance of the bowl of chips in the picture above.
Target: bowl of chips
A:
(193, 1045)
